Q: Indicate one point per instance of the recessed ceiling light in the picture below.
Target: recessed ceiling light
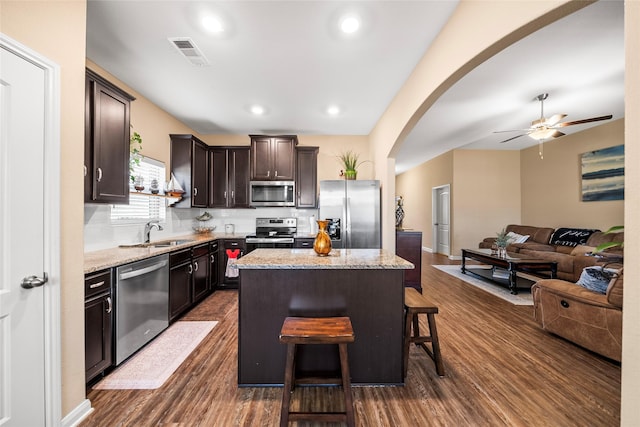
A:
(350, 24)
(258, 110)
(333, 110)
(212, 24)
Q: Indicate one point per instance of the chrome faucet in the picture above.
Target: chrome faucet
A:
(148, 227)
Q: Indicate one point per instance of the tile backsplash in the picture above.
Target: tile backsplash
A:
(101, 233)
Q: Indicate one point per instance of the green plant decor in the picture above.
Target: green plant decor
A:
(609, 245)
(350, 162)
(135, 147)
(502, 240)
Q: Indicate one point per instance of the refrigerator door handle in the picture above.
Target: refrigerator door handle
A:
(346, 214)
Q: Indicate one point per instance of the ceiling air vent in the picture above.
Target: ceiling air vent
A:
(189, 50)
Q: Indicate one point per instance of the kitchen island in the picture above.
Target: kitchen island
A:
(364, 284)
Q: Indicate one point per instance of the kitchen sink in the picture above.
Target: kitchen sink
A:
(159, 244)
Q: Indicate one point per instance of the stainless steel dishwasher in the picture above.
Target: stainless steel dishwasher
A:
(142, 304)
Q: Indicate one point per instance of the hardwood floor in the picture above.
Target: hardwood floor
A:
(501, 370)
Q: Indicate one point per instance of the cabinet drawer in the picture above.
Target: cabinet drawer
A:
(305, 243)
(179, 257)
(96, 283)
(198, 251)
(213, 246)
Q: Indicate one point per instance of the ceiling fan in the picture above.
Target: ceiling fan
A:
(547, 128)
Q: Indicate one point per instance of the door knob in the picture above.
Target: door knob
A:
(30, 282)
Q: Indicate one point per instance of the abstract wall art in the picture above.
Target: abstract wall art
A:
(603, 174)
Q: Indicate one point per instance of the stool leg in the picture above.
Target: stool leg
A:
(416, 327)
(435, 343)
(287, 389)
(407, 340)
(346, 385)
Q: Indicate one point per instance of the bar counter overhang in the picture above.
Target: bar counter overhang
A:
(364, 284)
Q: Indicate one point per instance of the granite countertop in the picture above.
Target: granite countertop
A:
(112, 257)
(297, 259)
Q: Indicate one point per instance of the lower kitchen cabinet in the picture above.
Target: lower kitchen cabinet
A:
(227, 282)
(190, 272)
(214, 261)
(98, 324)
(409, 247)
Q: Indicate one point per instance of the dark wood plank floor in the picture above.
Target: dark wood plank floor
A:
(501, 370)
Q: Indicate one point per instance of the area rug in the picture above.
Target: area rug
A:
(155, 363)
(522, 298)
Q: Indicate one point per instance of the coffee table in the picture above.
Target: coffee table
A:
(512, 262)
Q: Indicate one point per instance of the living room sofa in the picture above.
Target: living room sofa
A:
(590, 319)
(546, 243)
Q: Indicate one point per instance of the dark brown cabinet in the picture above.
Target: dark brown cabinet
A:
(303, 242)
(306, 177)
(98, 324)
(190, 166)
(214, 257)
(229, 179)
(190, 278)
(409, 247)
(107, 117)
(273, 157)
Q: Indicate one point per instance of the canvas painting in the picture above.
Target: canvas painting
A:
(603, 174)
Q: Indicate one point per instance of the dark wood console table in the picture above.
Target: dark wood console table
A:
(512, 262)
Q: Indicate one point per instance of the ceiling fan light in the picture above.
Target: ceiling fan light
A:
(542, 133)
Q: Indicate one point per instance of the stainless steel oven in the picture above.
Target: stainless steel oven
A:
(272, 233)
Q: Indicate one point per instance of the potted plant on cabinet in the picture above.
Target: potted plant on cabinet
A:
(350, 163)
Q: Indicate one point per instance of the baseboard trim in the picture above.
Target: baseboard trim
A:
(78, 414)
(426, 249)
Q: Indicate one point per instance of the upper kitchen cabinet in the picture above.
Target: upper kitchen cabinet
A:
(273, 157)
(190, 166)
(229, 186)
(306, 177)
(106, 141)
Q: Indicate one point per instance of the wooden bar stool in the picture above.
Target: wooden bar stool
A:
(414, 304)
(312, 330)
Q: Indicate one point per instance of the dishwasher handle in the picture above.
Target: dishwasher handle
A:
(142, 271)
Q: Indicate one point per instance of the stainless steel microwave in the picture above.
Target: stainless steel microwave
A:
(273, 193)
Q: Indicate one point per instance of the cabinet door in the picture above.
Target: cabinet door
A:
(306, 177)
(239, 176)
(213, 266)
(200, 277)
(409, 247)
(200, 175)
(261, 159)
(109, 144)
(283, 155)
(98, 333)
(219, 177)
(179, 289)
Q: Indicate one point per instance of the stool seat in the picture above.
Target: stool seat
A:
(415, 303)
(316, 330)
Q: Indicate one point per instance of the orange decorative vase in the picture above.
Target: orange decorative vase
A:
(322, 244)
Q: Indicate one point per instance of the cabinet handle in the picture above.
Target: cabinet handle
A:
(109, 306)
(195, 264)
(234, 243)
(85, 170)
(190, 270)
(225, 195)
(268, 174)
(276, 174)
(195, 191)
(233, 195)
(213, 259)
(96, 285)
(99, 174)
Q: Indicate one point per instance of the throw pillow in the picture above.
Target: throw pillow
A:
(517, 238)
(571, 236)
(595, 279)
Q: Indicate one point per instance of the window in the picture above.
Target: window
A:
(143, 207)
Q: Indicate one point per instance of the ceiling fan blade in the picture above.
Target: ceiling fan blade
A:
(579, 122)
(555, 119)
(517, 136)
(557, 134)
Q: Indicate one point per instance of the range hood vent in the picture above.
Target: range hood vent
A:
(189, 50)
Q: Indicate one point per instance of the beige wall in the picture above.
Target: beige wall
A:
(56, 29)
(551, 187)
(415, 188)
(630, 415)
(486, 195)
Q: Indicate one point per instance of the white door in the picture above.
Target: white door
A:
(441, 215)
(23, 88)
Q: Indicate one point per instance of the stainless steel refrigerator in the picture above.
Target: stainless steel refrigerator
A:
(353, 208)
